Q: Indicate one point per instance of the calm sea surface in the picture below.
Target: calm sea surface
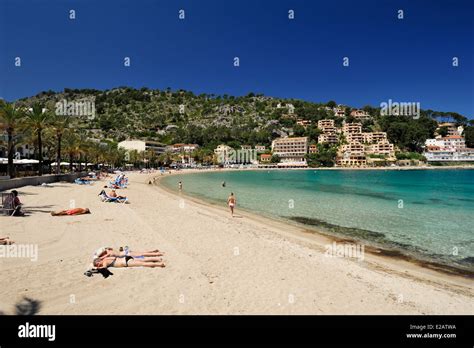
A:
(425, 213)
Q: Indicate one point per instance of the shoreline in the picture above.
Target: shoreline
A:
(467, 167)
(300, 228)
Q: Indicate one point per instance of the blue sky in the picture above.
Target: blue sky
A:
(407, 60)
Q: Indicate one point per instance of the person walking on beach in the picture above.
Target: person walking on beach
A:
(180, 186)
(231, 201)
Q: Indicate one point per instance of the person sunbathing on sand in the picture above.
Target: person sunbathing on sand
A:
(127, 261)
(110, 252)
(75, 211)
(6, 241)
(114, 194)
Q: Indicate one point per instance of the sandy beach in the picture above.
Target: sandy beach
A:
(215, 264)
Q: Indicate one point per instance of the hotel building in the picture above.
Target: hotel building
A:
(451, 148)
(291, 151)
(140, 145)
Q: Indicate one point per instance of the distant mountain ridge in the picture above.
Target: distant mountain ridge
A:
(206, 119)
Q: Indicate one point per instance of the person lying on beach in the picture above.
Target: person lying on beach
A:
(114, 194)
(110, 252)
(87, 178)
(6, 241)
(75, 211)
(127, 261)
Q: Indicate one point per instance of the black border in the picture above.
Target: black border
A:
(218, 330)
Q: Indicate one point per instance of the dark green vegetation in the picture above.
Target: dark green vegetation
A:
(182, 117)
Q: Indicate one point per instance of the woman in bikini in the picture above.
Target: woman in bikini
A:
(110, 252)
(127, 261)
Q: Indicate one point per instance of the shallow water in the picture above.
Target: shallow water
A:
(425, 213)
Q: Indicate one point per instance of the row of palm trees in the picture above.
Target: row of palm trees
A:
(56, 134)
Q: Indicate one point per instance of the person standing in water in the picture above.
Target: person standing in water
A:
(180, 185)
(231, 201)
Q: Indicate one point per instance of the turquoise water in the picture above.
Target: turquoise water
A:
(425, 213)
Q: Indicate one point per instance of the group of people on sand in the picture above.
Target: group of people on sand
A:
(106, 257)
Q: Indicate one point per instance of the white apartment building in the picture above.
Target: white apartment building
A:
(466, 155)
(451, 142)
(140, 145)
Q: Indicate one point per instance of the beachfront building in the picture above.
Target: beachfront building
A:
(351, 155)
(292, 151)
(383, 148)
(352, 161)
(140, 145)
(360, 115)
(313, 148)
(260, 148)
(439, 155)
(451, 142)
(448, 149)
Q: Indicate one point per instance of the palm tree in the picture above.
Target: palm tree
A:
(59, 124)
(10, 119)
(36, 119)
(71, 146)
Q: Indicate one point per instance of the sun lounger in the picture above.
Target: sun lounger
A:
(8, 204)
(79, 181)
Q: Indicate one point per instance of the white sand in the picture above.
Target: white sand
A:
(215, 264)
